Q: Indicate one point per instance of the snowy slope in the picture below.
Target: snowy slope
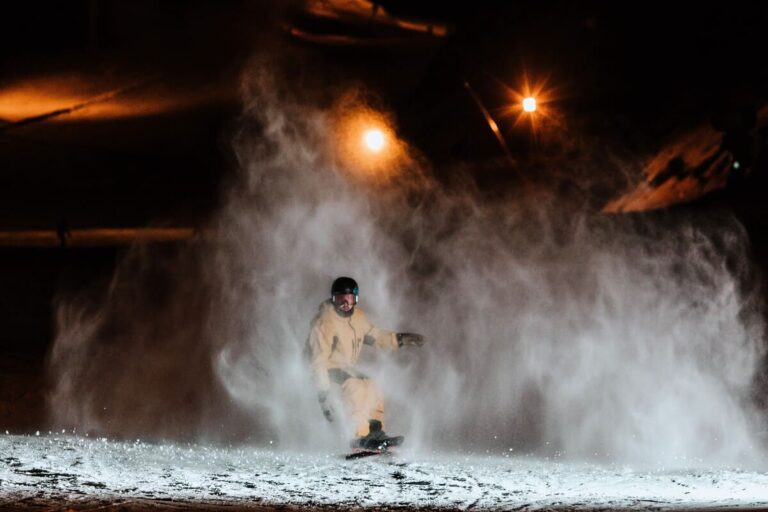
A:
(52, 469)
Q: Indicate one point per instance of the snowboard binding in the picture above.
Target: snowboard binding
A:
(375, 443)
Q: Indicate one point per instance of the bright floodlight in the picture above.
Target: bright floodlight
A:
(374, 139)
(529, 104)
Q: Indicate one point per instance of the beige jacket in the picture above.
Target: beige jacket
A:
(336, 341)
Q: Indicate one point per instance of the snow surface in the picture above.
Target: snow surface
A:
(56, 469)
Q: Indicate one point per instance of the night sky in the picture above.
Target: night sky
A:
(627, 77)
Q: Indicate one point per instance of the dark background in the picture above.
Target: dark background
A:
(624, 79)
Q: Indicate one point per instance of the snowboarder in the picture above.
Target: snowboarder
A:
(339, 332)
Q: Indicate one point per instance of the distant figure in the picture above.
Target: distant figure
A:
(339, 333)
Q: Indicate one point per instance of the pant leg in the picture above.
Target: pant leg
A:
(363, 401)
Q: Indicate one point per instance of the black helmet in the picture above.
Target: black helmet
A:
(344, 285)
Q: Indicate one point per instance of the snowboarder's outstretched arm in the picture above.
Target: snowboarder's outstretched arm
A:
(380, 338)
(391, 340)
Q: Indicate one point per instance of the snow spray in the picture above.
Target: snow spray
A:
(551, 328)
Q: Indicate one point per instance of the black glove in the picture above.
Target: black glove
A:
(327, 408)
(409, 338)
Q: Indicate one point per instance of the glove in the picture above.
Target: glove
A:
(327, 408)
(409, 338)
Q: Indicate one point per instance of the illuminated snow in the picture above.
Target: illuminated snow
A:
(36, 470)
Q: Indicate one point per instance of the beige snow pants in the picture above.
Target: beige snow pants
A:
(363, 401)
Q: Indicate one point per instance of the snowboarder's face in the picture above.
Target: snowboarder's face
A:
(344, 302)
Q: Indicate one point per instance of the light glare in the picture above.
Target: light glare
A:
(374, 139)
(529, 104)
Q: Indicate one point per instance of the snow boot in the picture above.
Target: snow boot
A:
(377, 439)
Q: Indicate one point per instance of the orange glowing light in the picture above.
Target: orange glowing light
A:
(374, 139)
(366, 143)
(65, 98)
(529, 104)
(698, 172)
(96, 237)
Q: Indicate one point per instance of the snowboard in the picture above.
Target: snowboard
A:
(385, 448)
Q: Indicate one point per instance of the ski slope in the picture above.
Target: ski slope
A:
(79, 472)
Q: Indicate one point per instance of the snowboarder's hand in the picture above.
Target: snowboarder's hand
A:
(327, 408)
(409, 338)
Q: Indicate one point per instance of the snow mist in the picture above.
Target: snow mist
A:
(550, 329)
